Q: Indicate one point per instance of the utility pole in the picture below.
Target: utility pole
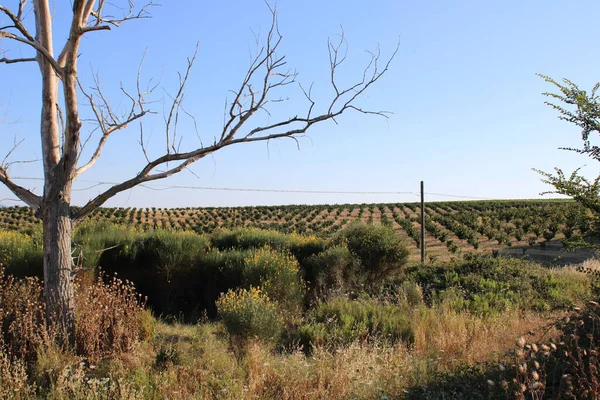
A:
(422, 223)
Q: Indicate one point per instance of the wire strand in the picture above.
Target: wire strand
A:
(260, 190)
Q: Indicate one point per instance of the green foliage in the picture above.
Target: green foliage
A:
(342, 321)
(174, 251)
(334, 270)
(491, 285)
(249, 313)
(92, 237)
(167, 356)
(21, 254)
(583, 110)
(164, 266)
(465, 382)
(182, 275)
(381, 253)
(582, 190)
(301, 246)
(279, 277)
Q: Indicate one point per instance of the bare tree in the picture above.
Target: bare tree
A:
(61, 124)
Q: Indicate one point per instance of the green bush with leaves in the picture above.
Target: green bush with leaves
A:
(164, 266)
(21, 254)
(491, 285)
(91, 238)
(342, 321)
(249, 313)
(301, 246)
(582, 109)
(334, 270)
(381, 253)
(278, 274)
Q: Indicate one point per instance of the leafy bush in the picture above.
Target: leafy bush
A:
(164, 266)
(174, 251)
(342, 321)
(183, 276)
(491, 285)
(92, 237)
(381, 253)
(249, 313)
(334, 270)
(301, 246)
(21, 254)
(279, 277)
(167, 356)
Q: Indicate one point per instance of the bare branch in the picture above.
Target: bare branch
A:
(106, 117)
(89, 16)
(17, 60)
(143, 144)
(95, 28)
(267, 68)
(17, 21)
(25, 195)
(172, 118)
(12, 150)
(37, 47)
(104, 21)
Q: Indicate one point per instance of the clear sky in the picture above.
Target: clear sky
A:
(468, 115)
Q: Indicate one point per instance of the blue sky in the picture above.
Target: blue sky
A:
(468, 115)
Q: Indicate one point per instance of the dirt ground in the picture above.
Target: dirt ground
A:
(552, 253)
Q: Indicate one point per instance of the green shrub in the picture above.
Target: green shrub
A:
(341, 321)
(164, 266)
(249, 313)
(334, 270)
(21, 254)
(301, 246)
(174, 251)
(381, 253)
(167, 356)
(92, 237)
(492, 285)
(279, 277)
(277, 273)
(410, 294)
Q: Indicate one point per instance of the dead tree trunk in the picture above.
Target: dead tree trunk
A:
(58, 272)
(56, 200)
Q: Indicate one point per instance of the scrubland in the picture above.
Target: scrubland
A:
(250, 313)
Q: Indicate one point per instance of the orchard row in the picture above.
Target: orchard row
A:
(451, 227)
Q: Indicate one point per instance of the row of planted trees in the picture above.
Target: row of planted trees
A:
(466, 223)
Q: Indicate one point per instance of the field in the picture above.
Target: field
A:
(531, 229)
(303, 302)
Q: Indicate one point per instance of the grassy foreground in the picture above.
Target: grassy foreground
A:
(197, 361)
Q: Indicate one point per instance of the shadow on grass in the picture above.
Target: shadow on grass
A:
(468, 382)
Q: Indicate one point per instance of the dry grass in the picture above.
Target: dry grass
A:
(111, 319)
(204, 367)
(195, 362)
(453, 337)
(591, 264)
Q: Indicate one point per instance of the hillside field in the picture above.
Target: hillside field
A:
(533, 229)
